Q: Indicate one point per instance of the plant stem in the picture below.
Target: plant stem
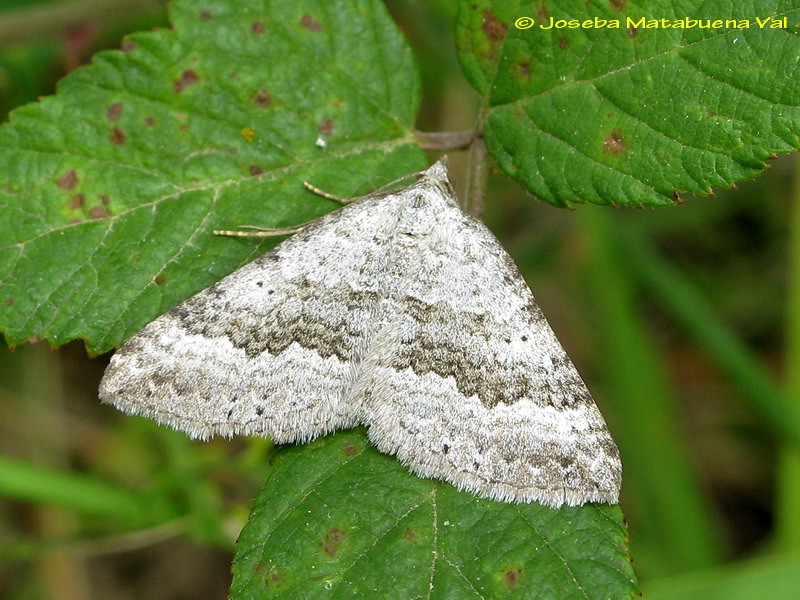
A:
(477, 169)
(446, 140)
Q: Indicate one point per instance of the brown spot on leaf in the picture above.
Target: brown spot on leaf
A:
(309, 23)
(98, 212)
(333, 541)
(269, 574)
(524, 69)
(257, 28)
(187, 78)
(275, 579)
(114, 111)
(349, 449)
(326, 127)
(410, 534)
(117, 137)
(68, 180)
(632, 31)
(128, 45)
(563, 43)
(104, 199)
(205, 15)
(150, 121)
(160, 280)
(543, 13)
(255, 170)
(618, 4)
(77, 201)
(614, 143)
(494, 29)
(512, 577)
(9, 301)
(262, 98)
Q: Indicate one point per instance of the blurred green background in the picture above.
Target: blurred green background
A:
(683, 321)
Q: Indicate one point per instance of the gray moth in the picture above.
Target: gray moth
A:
(398, 312)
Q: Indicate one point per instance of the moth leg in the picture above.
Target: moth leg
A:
(384, 187)
(262, 231)
(319, 192)
(273, 232)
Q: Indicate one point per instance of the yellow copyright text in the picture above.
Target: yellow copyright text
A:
(645, 23)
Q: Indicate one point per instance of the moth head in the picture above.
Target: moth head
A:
(437, 176)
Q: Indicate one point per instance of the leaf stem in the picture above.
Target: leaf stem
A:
(445, 140)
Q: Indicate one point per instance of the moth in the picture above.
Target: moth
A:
(398, 312)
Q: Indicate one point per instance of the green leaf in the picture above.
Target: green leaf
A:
(632, 115)
(110, 190)
(338, 519)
